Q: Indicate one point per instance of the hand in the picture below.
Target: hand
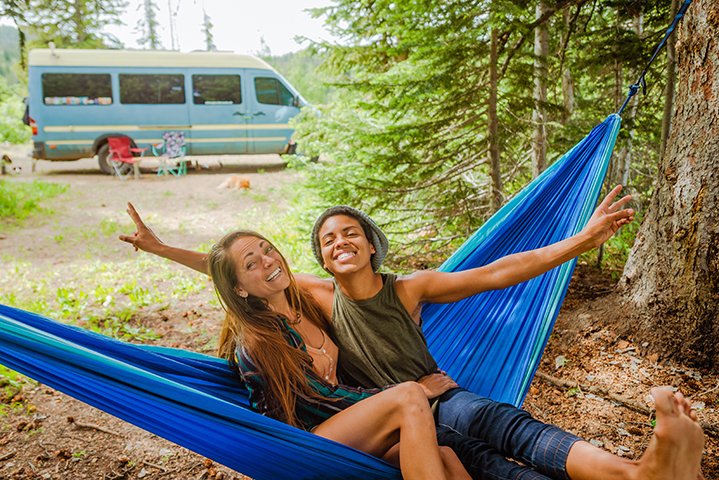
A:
(143, 238)
(436, 384)
(608, 218)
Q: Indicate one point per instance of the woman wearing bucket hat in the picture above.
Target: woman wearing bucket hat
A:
(376, 323)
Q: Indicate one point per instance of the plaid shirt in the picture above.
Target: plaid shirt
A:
(310, 411)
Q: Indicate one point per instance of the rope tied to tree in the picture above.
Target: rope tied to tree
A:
(641, 82)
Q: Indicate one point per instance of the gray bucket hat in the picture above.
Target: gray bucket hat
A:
(374, 234)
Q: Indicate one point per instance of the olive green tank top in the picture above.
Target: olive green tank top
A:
(379, 343)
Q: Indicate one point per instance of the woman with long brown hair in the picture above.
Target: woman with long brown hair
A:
(276, 335)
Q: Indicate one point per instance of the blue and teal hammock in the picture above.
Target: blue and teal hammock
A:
(491, 343)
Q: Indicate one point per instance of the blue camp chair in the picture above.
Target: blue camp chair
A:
(171, 153)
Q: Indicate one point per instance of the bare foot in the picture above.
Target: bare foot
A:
(686, 407)
(675, 450)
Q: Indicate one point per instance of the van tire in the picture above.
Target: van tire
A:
(102, 160)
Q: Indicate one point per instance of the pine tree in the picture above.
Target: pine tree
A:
(671, 281)
(148, 26)
(413, 138)
(207, 30)
(15, 10)
(73, 23)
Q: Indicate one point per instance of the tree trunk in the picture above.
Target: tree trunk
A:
(671, 279)
(567, 95)
(495, 189)
(624, 159)
(78, 15)
(172, 25)
(671, 80)
(539, 116)
(567, 81)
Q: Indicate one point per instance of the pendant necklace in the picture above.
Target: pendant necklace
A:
(295, 322)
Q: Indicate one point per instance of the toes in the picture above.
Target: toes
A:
(688, 407)
(665, 400)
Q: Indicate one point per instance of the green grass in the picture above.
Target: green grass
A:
(105, 297)
(19, 200)
(113, 296)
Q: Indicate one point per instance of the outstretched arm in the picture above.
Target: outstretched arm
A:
(145, 239)
(439, 287)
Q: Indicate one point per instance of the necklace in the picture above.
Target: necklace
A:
(323, 351)
(295, 322)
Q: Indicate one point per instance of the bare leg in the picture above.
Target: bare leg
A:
(376, 424)
(452, 466)
(674, 452)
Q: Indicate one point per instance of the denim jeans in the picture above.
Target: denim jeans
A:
(492, 431)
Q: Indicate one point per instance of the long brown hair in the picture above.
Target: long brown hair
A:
(251, 322)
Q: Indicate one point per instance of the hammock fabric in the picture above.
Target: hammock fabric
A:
(491, 344)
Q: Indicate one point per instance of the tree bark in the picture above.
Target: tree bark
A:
(539, 116)
(495, 173)
(671, 279)
(670, 86)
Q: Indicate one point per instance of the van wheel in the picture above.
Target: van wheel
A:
(102, 160)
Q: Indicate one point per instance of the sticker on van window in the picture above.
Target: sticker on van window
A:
(78, 101)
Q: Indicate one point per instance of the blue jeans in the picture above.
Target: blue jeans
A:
(489, 432)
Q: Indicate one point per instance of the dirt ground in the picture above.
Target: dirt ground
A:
(48, 435)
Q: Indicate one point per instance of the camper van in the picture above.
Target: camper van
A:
(223, 103)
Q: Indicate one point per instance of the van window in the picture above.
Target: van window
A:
(76, 89)
(216, 89)
(271, 91)
(152, 89)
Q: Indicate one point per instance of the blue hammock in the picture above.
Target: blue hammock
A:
(490, 343)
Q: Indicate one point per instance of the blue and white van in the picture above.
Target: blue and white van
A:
(223, 103)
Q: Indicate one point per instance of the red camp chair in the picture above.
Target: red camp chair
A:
(121, 157)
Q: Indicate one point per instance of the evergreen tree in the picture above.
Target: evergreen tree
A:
(15, 10)
(301, 70)
(73, 23)
(670, 282)
(148, 26)
(412, 137)
(207, 30)
(9, 53)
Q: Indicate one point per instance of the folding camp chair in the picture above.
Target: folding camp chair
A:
(121, 157)
(171, 153)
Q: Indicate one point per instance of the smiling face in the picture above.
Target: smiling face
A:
(261, 271)
(345, 247)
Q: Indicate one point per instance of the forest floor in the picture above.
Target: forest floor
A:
(45, 434)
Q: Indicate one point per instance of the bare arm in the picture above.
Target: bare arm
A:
(145, 239)
(440, 287)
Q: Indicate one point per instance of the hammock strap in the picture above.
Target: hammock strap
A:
(633, 89)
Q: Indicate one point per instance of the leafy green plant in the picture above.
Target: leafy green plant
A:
(9, 377)
(11, 111)
(18, 200)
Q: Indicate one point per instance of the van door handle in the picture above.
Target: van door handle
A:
(238, 113)
(258, 113)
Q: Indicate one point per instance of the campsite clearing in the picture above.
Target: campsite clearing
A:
(68, 263)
